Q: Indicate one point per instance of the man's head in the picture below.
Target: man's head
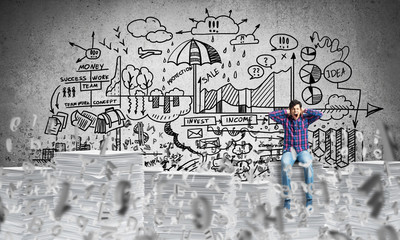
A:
(295, 109)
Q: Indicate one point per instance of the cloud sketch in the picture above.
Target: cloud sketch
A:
(149, 28)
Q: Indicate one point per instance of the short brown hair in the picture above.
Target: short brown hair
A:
(293, 103)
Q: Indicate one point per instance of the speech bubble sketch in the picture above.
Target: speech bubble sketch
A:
(284, 42)
(255, 71)
(266, 60)
(337, 72)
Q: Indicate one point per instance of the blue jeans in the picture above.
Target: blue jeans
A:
(287, 162)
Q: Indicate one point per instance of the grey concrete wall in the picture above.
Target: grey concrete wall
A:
(44, 43)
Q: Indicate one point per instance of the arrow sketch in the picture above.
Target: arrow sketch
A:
(339, 107)
(332, 44)
(211, 25)
(244, 39)
(51, 100)
(91, 53)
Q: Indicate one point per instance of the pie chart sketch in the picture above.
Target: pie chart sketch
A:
(308, 54)
(311, 95)
(310, 73)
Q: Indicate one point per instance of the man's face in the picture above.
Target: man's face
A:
(295, 111)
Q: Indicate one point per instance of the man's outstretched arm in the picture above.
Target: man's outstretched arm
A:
(278, 116)
(311, 115)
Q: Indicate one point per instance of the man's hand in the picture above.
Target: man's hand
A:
(302, 111)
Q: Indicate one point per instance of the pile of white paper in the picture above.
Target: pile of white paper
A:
(111, 196)
(27, 199)
(300, 222)
(194, 205)
(376, 197)
(256, 205)
(150, 180)
(337, 196)
(104, 194)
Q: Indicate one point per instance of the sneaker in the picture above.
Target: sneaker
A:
(287, 204)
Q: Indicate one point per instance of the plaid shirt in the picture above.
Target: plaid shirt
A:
(296, 134)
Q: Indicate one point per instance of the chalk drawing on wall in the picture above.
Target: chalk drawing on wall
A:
(83, 120)
(223, 24)
(109, 120)
(245, 39)
(223, 126)
(150, 28)
(134, 78)
(332, 44)
(337, 108)
(143, 137)
(263, 60)
(308, 54)
(211, 133)
(266, 60)
(337, 147)
(283, 42)
(90, 53)
(195, 52)
(194, 133)
(336, 71)
(312, 95)
(310, 73)
(114, 89)
(229, 99)
(56, 103)
(105, 44)
(255, 72)
(68, 92)
(169, 131)
(135, 85)
(144, 53)
(56, 123)
(97, 79)
(120, 42)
